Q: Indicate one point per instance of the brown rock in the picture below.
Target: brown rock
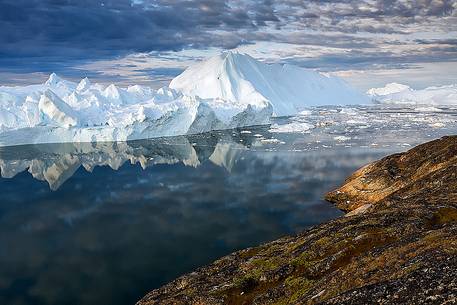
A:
(403, 174)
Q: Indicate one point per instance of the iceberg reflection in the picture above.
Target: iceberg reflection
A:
(56, 163)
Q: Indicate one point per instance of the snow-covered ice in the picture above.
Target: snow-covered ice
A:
(227, 91)
(402, 94)
(388, 89)
(239, 78)
(341, 138)
(291, 127)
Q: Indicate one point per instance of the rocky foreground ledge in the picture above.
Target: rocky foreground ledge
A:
(397, 244)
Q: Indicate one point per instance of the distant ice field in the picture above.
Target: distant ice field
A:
(364, 126)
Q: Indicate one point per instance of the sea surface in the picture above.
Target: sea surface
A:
(104, 223)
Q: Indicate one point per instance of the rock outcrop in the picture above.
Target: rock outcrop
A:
(396, 245)
(426, 171)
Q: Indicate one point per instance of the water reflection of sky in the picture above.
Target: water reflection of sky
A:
(104, 223)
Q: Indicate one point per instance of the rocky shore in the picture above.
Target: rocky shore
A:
(397, 244)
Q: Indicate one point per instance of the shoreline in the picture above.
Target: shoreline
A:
(396, 244)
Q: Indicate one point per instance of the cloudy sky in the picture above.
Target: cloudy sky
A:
(368, 42)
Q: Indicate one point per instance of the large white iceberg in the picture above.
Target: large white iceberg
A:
(226, 91)
(395, 93)
(239, 78)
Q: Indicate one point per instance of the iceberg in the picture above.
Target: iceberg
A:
(239, 78)
(395, 93)
(227, 91)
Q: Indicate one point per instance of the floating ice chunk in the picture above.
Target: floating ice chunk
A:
(428, 109)
(356, 122)
(341, 138)
(349, 111)
(437, 125)
(293, 127)
(388, 89)
(272, 141)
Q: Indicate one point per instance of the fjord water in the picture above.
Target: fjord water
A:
(103, 223)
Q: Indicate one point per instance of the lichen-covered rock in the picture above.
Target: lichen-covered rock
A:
(398, 245)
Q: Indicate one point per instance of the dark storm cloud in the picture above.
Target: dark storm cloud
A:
(94, 28)
(47, 35)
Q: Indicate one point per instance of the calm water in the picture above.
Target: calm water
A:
(105, 223)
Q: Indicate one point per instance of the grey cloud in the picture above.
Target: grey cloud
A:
(45, 35)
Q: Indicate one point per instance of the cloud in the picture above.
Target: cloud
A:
(85, 29)
(60, 35)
